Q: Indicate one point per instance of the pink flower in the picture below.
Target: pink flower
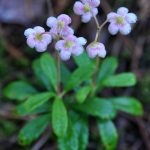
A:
(96, 49)
(121, 21)
(60, 26)
(70, 45)
(37, 38)
(86, 8)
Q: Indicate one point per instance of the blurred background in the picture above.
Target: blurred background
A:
(132, 51)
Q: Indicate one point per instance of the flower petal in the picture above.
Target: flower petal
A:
(102, 51)
(125, 29)
(41, 46)
(94, 3)
(65, 55)
(94, 11)
(86, 17)
(131, 18)
(81, 41)
(39, 29)
(111, 17)
(47, 38)
(113, 28)
(31, 42)
(59, 45)
(29, 31)
(51, 21)
(77, 50)
(78, 8)
(122, 11)
(65, 18)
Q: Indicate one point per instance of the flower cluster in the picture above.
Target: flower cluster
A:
(66, 43)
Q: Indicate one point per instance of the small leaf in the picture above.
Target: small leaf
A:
(98, 107)
(82, 130)
(59, 118)
(108, 133)
(128, 104)
(33, 129)
(107, 68)
(33, 102)
(49, 69)
(19, 90)
(70, 140)
(83, 60)
(120, 80)
(82, 94)
(78, 76)
(40, 75)
(65, 73)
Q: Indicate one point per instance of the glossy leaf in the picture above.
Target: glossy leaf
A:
(98, 107)
(78, 76)
(33, 129)
(129, 105)
(70, 140)
(107, 68)
(82, 94)
(59, 118)
(83, 60)
(19, 90)
(34, 102)
(108, 134)
(49, 69)
(40, 75)
(120, 80)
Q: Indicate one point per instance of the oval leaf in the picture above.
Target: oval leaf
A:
(36, 65)
(108, 134)
(82, 94)
(98, 107)
(78, 76)
(19, 90)
(107, 68)
(120, 80)
(49, 69)
(34, 102)
(129, 105)
(33, 129)
(59, 118)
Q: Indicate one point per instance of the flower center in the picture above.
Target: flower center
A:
(87, 8)
(68, 44)
(120, 20)
(38, 37)
(60, 24)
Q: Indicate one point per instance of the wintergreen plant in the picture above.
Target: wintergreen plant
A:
(69, 98)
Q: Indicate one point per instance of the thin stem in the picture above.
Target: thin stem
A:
(58, 74)
(96, 21)
(103, 24)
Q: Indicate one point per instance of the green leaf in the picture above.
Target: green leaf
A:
(128, 104)
(65, 73)
(34, 102)
(82, 130)
(107, 68)
(70, 140)
(33, 129)
(49, 69)
(78, 76)
(19, 90)
(59, 118)
(120, 80)
(82, 94)
(36, 65)
(83, 60)
(108, 133)
(98, 107)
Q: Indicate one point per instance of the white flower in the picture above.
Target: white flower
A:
(37, 38)
(121, 21)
